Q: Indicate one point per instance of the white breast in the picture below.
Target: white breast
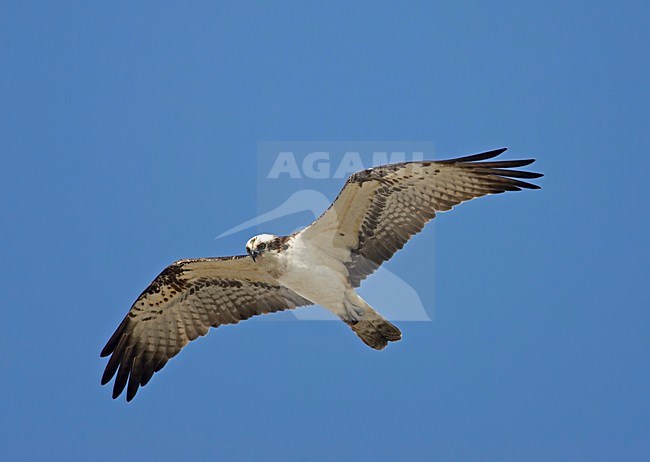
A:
(312, 274)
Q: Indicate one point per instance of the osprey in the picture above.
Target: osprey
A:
(374, 215)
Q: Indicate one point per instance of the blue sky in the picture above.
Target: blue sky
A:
(129, 135)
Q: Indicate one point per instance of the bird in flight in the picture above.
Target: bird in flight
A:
(374, 215)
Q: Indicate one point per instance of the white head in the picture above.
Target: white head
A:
(256, 245)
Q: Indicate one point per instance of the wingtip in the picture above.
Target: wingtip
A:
(107, 376)
(534, 175)
(475, 157)
(492, 153)
(524, 162)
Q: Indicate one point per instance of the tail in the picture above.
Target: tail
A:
(369, 325)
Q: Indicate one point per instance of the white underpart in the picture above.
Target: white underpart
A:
(313, 274)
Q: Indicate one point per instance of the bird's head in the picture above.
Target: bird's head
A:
(259, 244)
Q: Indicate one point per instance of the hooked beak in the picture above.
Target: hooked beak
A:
(253, 254)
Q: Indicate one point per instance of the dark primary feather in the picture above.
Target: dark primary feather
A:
(474, 157)
(181, 304)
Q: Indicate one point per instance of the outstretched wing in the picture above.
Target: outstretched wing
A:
(379, 209)
(181, 304)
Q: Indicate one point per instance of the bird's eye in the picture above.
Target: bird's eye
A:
(262, 246)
